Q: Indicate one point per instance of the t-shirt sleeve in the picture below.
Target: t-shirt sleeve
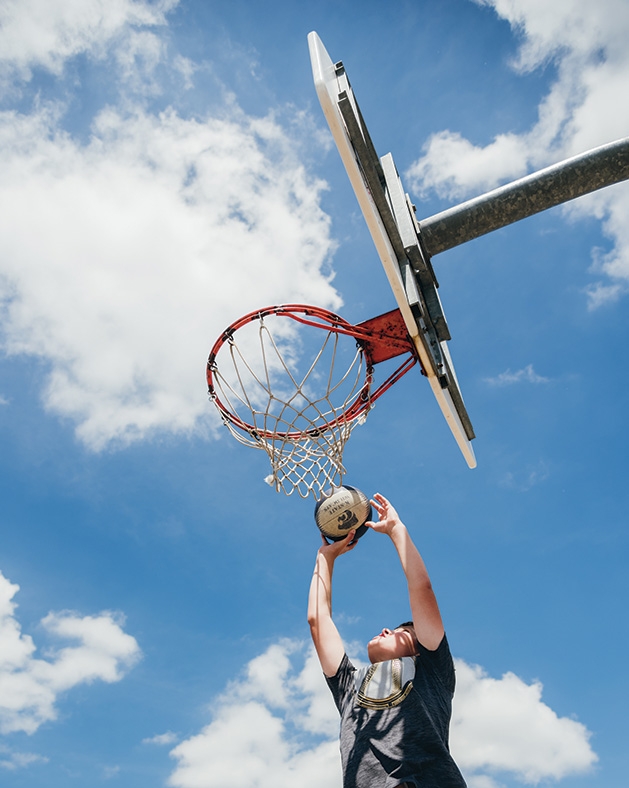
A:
(342, 683)
(440, 663)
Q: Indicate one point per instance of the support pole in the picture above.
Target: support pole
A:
(544, 189)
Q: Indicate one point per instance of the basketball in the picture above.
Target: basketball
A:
(343, 510)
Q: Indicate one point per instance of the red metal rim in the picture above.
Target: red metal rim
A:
(316, 317)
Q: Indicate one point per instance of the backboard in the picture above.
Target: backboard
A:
(391, 220)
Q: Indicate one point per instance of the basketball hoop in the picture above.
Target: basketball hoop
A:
(298, 395)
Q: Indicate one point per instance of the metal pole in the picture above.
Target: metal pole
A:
(544, 189)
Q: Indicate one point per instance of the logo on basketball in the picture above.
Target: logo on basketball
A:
(347, 520)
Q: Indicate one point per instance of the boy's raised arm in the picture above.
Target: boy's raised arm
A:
(425, 611)
(325, 635)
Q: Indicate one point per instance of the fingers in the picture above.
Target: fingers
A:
(347, 544)
(381, 505)
(386, 515)
(342, 545)
(379, 501)
(378, 528)
(349, 540)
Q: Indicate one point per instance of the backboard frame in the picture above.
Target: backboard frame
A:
(395, 232)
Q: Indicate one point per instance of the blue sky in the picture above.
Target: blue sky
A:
(166, 168)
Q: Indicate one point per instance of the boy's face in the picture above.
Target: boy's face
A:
(392, 644)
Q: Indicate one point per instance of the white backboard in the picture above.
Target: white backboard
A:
(395, 233)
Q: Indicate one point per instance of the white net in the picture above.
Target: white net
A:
(295, 393)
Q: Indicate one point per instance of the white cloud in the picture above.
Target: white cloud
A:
(599, 294)
(524, 479)
(453, 166)
(260, 734)
(161, 739)
(482, 781)
(247, 745)
(502, 725)
(12, 760)
(124, 255)
(265, 677)
(46, 33)
(612, 206)
(30, 686)
(585, 107)
(508, 378)
(125, 258)
(276, 726)
(186, 68)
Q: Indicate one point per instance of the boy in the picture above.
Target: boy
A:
(395, 715)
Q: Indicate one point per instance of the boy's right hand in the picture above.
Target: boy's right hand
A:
(334, 549)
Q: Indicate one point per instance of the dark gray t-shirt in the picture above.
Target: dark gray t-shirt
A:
(383, 748)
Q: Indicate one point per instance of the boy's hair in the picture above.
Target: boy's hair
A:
(410, 625)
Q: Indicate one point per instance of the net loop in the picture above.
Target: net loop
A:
(298, 395)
